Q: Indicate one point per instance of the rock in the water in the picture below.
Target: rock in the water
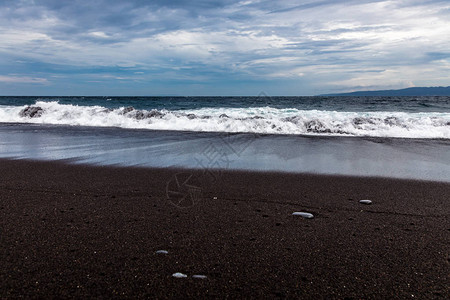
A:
(139, 115)
(127, 109)
(223, 116)
(303, 214)
(365, 201)
(179, 275)
(162, 252)
(154, 113)
(199, 276)
(31, 112)
(316, 126)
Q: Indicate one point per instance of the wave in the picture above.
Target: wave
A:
(261, 120)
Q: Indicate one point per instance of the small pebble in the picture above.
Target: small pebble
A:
(199, 276)
(303, 214)
(365, 201)
(215, 198)
(162, 252)
(179, 275)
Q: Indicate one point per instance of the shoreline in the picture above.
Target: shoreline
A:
(350, 156)
(257, 134)
(200, 172)
(71, 230)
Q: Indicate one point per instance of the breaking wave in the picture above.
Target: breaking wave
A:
(262, 120)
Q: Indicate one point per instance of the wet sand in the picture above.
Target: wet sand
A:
(77, 231)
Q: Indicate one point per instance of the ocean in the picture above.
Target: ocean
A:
(402, 137)
(407, 117)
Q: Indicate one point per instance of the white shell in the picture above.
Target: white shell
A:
(303, 214)
(179, 275)
(162, 252)
(199, 276)
(365, 201)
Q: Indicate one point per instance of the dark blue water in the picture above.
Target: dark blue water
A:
(350, 104)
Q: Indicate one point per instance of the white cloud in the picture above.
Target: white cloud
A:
(17, 79)
(99, 34)
(336, 43)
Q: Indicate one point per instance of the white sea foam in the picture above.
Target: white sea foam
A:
(262, 120)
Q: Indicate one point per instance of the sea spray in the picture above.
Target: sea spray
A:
(261, 120)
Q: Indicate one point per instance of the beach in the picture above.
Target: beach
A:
(78, 231)
(224, 149)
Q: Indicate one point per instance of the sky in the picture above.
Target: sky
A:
(221, 47)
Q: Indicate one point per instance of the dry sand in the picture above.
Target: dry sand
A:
(81, 231)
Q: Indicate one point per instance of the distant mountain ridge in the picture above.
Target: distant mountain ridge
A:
(413, 91)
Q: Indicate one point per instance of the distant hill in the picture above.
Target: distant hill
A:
(414, 91)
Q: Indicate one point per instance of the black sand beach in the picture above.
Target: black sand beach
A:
(77, 231)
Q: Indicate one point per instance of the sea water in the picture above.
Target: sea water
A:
(407, 117)
(404, 137)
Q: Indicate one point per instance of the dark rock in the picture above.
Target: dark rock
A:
(154, 113)
(223, 116)
(391, 121)
(360, 121)
(316, 126)
(139, 115)
(31, 112)
(127, 109)
(191, 116)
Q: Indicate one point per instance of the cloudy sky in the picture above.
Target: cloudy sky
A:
(221, 47)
